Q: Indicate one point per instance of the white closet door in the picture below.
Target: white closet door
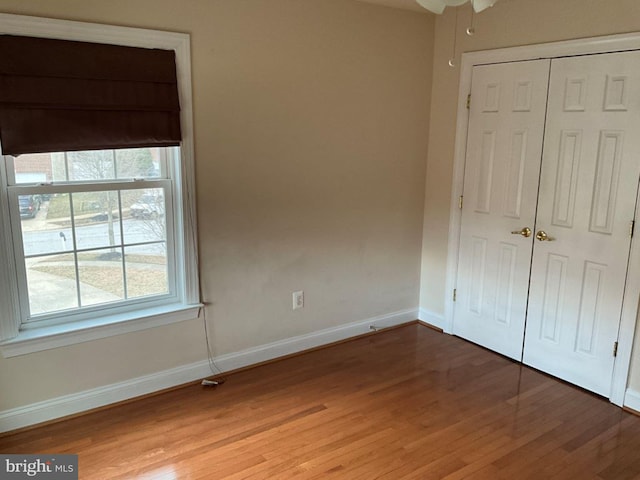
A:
(504, 146)
(588, 189)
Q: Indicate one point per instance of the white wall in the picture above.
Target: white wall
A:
(311, 121)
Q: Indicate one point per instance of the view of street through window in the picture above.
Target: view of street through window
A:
(82, 248)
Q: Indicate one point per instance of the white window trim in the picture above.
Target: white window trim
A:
(38, 339)
(64, 334)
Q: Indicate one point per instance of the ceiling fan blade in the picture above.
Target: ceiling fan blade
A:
(435, 6)
(438, 6)
(480, 5)
(455, 3)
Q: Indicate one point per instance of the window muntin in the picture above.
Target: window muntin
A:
(99, 235)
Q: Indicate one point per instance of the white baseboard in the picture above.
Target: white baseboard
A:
(432, 318)
(97, 397)
(116, 392)
(632, 399)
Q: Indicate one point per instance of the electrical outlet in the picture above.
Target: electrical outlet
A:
(298, 300)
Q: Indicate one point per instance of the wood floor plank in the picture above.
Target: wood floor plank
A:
(408, 403)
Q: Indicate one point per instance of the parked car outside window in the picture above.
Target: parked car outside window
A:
(29, 205)
(149, 205)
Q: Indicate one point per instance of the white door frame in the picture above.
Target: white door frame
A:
(585, 46)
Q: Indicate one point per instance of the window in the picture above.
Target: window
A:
(97, 242)
(94, 233)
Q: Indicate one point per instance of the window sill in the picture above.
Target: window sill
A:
(46, 338)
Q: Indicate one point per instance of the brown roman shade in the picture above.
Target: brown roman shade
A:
(59, 95)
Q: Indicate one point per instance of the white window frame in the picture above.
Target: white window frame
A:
(186, 303)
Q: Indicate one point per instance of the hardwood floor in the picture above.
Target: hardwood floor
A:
(404, 403)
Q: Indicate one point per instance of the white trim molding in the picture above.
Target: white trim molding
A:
(432, 318)
(586, 46)
(632, 400)
(62, 335)
(59, 407)
(116, 392)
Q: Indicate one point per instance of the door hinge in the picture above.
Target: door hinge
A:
(468, 101)
(631, 228)
(455, 294)
(615, 349)
(460, 201)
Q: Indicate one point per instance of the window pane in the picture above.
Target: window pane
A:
(89, 165)
(97, 219)
(146, 216)
(46, 224)
(29, 205)
(101, 277)
(146, 267)
(34, 168)
(51, 281)
(138, 162)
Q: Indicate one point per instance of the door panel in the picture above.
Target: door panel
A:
(588, 188)
(504, 149)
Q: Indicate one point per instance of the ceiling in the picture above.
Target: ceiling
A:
(405, 4)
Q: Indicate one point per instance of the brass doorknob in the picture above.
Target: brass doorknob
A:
(525, 232)
(542, 236)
